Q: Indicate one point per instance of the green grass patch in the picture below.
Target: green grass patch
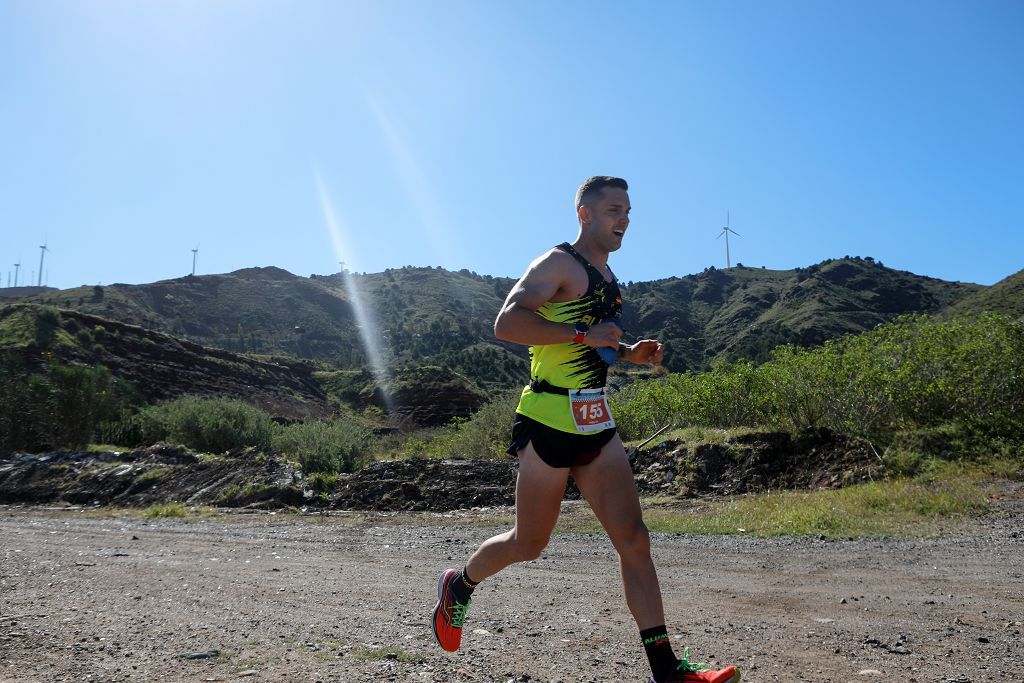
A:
(161, 510)
(151, 477)
(106, 448)
(901, 507)
(698, 435)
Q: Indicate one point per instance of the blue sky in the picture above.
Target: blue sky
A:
(455, 134)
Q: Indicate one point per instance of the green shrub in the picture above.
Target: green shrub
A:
(212, 425)
(47, 323)
(330, 446)
(320, 482)
(912, 374)
(56, 406)
(486, 434)
(166, 510)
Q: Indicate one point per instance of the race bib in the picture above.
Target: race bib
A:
(590, 410)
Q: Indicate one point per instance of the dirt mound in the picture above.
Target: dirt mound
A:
(146, 476)
(244, 478)
(425, 484)
(755, 462)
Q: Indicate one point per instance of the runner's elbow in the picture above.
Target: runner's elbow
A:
(502, 328)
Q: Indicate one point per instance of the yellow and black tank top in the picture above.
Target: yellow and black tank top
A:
(570, 365)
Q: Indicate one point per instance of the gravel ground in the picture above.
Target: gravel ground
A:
(113, 596)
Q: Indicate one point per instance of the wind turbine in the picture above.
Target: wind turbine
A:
(42, 255)
(195, 253)
(17, 267)
(725, 231)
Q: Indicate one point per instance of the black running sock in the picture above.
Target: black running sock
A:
(659, 652)
(463, 587)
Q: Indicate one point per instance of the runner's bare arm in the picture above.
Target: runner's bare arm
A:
(546, 278)
(518, 321)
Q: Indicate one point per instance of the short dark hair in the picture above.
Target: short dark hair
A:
(595, 185)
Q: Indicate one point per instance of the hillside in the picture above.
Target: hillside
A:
(424, 316)
(745, 312)
(430, 316)
(1005, 296)
(159, 366)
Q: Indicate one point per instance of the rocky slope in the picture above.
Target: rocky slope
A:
(750, 463)
(160, 366)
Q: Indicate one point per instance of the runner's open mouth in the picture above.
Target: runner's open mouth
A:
(618, 233)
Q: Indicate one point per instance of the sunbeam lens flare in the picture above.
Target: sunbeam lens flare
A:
(365, 321)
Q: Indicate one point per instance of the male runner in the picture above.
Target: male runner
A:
(565, 308)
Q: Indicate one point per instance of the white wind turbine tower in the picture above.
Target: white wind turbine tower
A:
(17, 267)
(195, 253)
(42, 255)
(725, 231)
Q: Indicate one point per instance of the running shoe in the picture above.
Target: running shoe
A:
(695, 672)
(449, 614)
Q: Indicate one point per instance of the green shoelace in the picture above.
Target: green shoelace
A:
(459, 613)
(686, 666)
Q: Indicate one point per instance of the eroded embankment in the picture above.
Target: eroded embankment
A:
(162, 474)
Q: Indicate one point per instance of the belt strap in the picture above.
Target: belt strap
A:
(541, 386)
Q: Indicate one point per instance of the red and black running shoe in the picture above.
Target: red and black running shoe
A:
(449, 613)
(691, 672)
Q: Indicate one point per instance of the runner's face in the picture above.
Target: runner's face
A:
(608, 218)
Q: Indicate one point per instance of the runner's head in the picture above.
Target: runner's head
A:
(602, 207)
(593, 188)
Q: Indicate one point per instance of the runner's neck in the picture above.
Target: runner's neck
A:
(597, 257)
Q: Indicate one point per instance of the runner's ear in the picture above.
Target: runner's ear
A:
(583, 213)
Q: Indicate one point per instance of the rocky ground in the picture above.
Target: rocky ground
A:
(752, 462)
(100, 595)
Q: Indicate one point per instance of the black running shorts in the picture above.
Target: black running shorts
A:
(555, 447)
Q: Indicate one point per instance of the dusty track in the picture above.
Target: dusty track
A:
(98, 597)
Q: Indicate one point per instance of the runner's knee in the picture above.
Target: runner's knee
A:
(633, 540)
(529, 548)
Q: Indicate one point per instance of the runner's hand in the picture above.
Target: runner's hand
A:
(645, 352)
(603, 334)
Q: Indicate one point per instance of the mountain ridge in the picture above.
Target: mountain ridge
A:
(440, 317)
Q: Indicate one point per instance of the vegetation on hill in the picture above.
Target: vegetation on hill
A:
(157, 365)
(430, 316)
(744, 313)
(915, 382)
(780, 349)
(1005, 296)
(915, 388)
(58, 406)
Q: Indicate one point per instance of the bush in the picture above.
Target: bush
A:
(56, 406)
(912, 374)
(211, 425)
(487, 433)
(329, 446)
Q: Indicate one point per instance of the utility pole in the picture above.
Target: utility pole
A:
(42, 254)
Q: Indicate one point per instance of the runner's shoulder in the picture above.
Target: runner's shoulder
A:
(554, 261)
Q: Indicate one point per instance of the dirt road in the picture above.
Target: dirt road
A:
(103, 597)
